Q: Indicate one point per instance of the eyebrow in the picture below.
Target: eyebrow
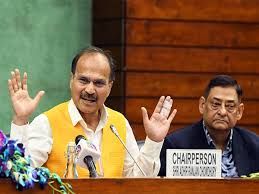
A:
(218, 99)
(88, 78)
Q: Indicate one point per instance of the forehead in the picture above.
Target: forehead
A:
(93, 64)
(224, 94)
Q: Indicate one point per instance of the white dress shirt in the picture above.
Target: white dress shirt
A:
(37, 140)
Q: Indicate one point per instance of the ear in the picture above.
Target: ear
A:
(202, 101)
(71, 79)
(240, 111)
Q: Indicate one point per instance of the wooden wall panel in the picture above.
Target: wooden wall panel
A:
(187, 110)
(181, 85)
(139, 130)
(107, 9)
(117, 85)
(118, 55)
(192, 34)
(108, 33)
(115, 102)
(174, 47)
(171, 59)
(215, 10)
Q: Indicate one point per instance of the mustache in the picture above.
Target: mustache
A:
(86, 96)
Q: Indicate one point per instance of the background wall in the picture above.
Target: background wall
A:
(174, 47)
(41, 38)
(162, 47)
(109, 33)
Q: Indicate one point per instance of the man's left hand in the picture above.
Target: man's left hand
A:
(158, 124)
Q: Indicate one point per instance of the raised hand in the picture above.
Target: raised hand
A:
(158, 124)
(23, 104)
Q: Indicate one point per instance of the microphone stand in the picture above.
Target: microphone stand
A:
(117, 134)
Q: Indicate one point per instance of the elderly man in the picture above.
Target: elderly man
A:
(46, 137)
(221, 107)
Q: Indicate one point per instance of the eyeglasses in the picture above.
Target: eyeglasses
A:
(231, 107)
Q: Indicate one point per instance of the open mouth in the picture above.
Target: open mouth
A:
(89, 100)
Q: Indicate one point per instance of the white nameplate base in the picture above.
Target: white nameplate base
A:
(193, 163)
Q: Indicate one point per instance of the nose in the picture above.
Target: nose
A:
(89, 88)
(222, 110)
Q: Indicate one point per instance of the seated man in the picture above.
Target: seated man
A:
(46, 137)
(221, 108)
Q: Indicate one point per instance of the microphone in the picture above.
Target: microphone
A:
(87, 154)
(114, 130)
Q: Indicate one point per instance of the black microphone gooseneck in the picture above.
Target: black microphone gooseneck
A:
(88, 160)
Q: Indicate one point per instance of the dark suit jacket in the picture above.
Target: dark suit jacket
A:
(245, 146)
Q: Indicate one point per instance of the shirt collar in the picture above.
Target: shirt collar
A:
(77, 118)
(210, 141)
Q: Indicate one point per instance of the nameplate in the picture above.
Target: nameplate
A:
(193, 163)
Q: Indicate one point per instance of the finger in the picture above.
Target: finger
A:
(159, 105)
(38, 97)
(14, 82)
(24, 81)
(18, 78)
(172, 115)
(144, 115)
(166, 108)
(10, 88)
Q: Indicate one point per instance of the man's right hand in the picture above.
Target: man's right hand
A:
(23, 104)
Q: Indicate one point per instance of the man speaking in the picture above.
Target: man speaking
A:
(45, 138)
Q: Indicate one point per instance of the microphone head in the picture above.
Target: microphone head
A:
(78, 138)
(86, 148)
(114, 130)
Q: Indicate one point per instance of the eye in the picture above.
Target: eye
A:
(215, 104)
(230, 107)
(99, 83)
(84, 80)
